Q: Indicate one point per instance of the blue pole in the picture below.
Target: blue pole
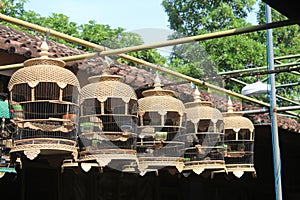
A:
(273, 109)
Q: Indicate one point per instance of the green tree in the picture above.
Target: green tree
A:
(190, 17)
(286, 41)
(97, 33)
(12, 8)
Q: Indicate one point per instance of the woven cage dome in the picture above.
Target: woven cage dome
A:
(160, 100)
(236, 121)
(105, 86)
(201, 110)
(43, 69)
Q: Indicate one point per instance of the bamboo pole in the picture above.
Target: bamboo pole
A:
(157, 45)
(12, 66)
(288, 57)
(288, 100)
(288, 108)
(79, 57)
(196, 38)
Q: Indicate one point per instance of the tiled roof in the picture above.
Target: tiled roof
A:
(27, 45)
(21, 43)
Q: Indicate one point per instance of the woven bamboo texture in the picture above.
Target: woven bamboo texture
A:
(196, 111)
(43, 73)
(160, 104)
(236, 121)
(108, 86)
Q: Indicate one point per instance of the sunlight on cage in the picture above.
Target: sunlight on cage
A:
(161, 123)
(204, 136)
(239, 142)
(44, 106)
(108, 122)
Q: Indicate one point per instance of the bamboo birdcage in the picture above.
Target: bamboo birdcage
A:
(44, 105)
(204, 136)
(239, 142)
(108, 122)
(161, 122)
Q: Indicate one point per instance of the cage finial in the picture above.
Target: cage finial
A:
(44, 49)
(106, 64)
(157, 82)
(229, 105)
(197, 97)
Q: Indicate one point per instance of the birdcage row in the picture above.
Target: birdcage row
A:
(109, 123)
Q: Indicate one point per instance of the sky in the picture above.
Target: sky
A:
(128, 14)
(145, 17)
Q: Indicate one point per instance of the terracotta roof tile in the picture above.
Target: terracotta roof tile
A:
(20, 43)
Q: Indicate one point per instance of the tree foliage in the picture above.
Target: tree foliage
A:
(286, 41)
(93, 32)
(190, 17)
(12, 8)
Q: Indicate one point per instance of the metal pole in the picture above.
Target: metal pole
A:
(288, 108)
(264, 110)
(288, 85)
(286, 57)
(273, 110)
(257, 69)
(288, 100)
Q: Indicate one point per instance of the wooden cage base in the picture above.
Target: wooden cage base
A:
(148, 164)
(199, 166)
(45, 146)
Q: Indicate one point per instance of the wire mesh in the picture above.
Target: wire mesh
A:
(159, 135)
(204, 141)
(239, 147)
(108, 125)
(45, 111)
